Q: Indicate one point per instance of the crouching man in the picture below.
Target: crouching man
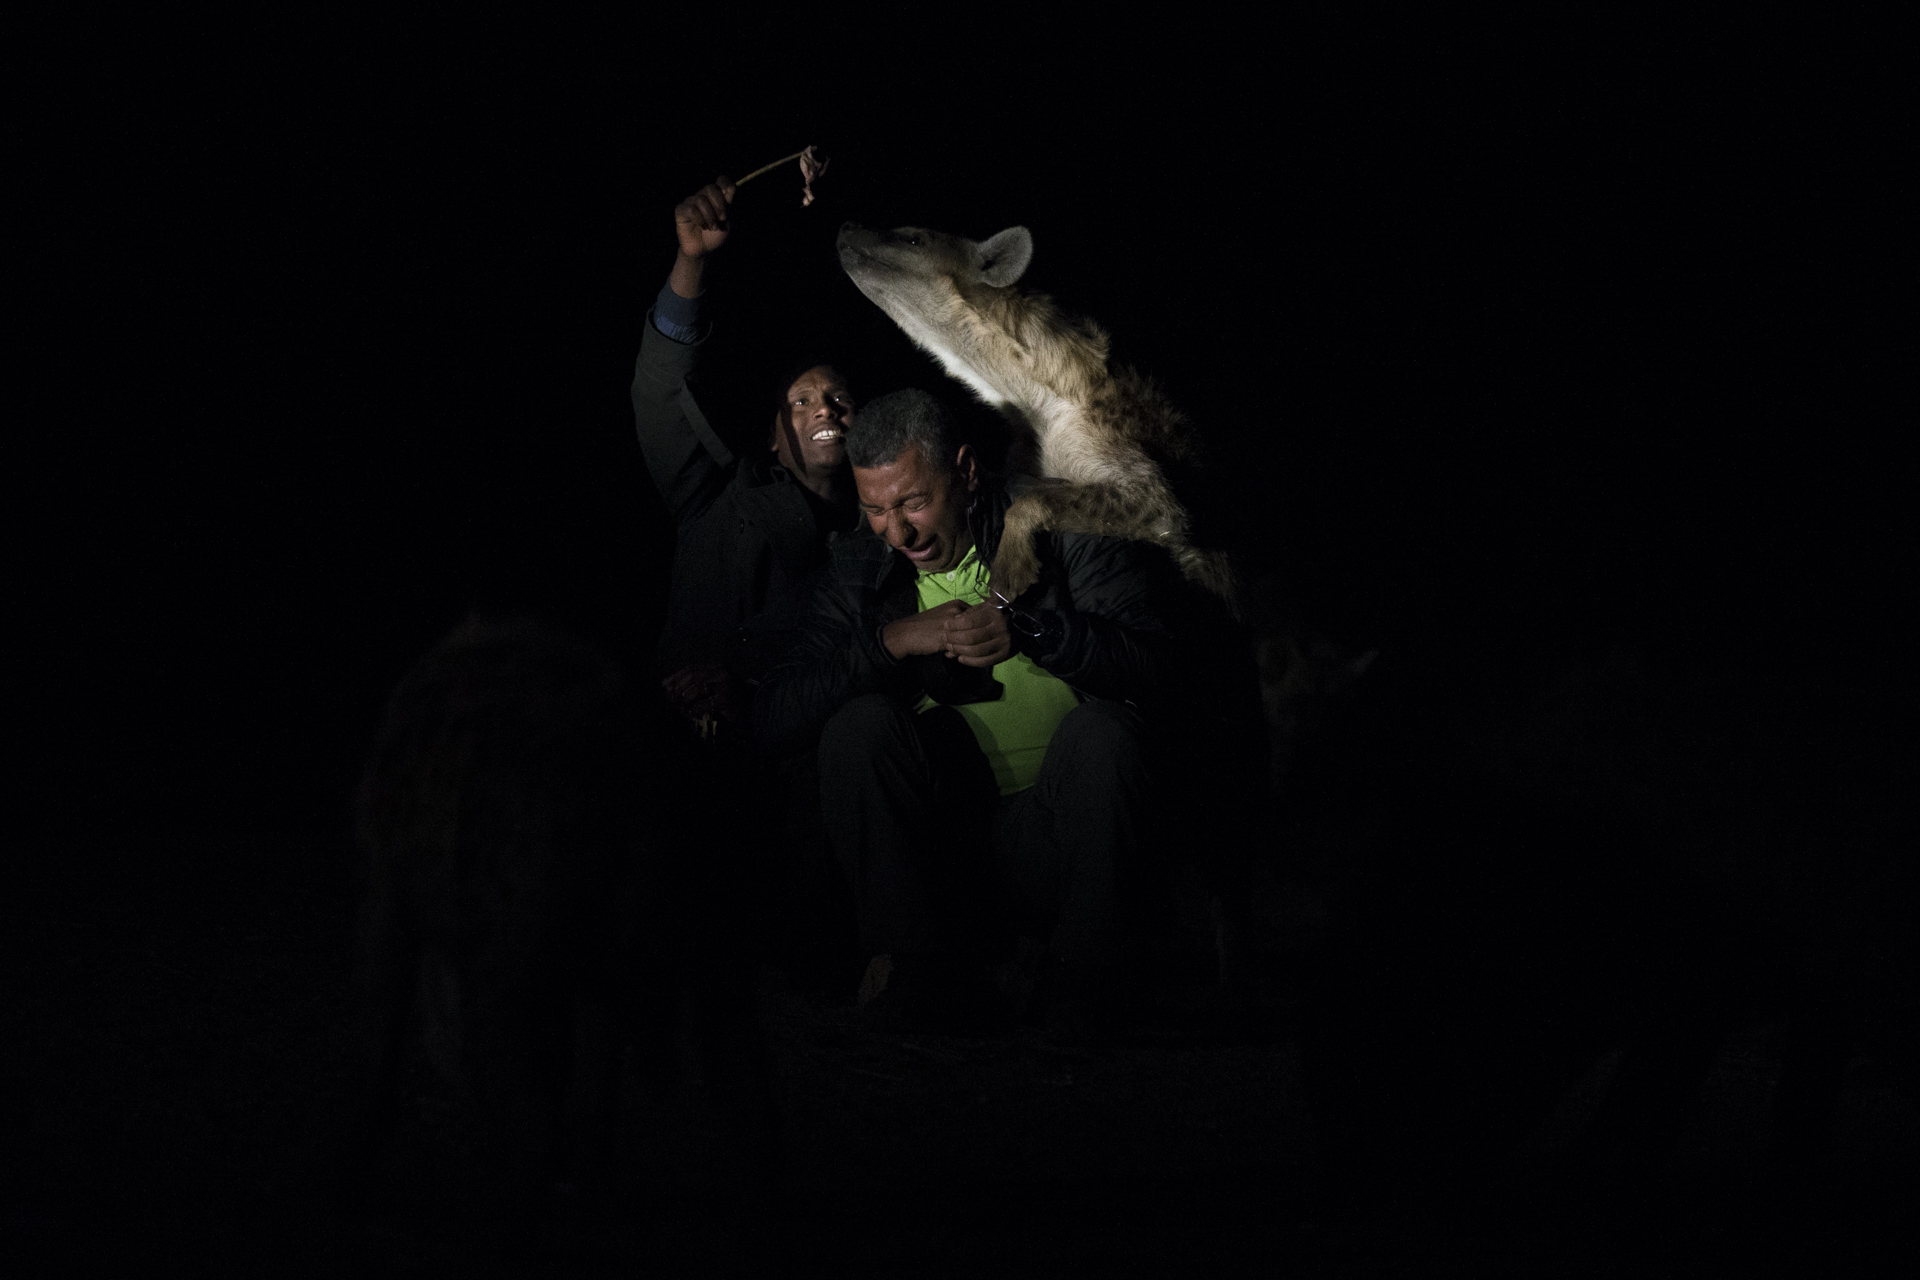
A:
(984, 765)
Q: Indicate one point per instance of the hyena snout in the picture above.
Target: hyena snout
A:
(853, 243)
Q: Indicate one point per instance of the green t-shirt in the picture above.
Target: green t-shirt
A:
(1014, 729)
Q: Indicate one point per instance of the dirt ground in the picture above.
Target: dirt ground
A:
(176, 1075)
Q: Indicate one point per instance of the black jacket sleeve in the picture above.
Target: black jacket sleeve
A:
(1105, 621)
(838, 658)
(688, 462)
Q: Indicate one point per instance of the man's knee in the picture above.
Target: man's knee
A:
(1103, 729)
(868, 726)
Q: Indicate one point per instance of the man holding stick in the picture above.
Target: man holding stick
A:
(750, 529)
(750, 532)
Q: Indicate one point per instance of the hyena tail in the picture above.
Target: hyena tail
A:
(1144, 513)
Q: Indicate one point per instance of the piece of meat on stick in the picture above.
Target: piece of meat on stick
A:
(812, 165)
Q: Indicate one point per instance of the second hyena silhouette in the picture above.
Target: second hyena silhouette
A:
(527, 919)
(1106, 438)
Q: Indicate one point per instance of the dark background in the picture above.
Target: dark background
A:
(1525, 338)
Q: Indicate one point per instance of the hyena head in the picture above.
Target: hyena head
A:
(939, 289)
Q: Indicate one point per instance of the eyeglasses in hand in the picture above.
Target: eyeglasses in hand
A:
(1018, 619)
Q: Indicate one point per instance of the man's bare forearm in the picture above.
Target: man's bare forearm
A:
(685, 279)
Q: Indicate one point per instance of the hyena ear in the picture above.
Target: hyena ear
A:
(1004, 258)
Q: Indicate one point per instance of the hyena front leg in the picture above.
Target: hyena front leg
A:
(1016, 566)
(1213, 571)
(1074, 508)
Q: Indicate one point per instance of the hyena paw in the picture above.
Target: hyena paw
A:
(1016, 568)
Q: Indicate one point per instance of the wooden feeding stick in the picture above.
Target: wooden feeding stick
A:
(811, 167)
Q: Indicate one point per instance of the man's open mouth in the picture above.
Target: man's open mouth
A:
(917, 553)
(827, 433)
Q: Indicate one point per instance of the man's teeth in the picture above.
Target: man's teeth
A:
(831, 433)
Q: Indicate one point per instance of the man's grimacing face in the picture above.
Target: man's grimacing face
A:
(919, 511)
(813, 436)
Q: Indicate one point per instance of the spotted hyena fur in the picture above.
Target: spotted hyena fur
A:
(1105, 435)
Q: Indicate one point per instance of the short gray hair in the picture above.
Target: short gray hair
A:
(901, 420)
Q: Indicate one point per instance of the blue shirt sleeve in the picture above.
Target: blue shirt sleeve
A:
(677, 317)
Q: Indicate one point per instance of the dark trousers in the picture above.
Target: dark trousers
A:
(938, 859)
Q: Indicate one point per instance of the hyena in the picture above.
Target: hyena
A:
(526, 919)
(1104, 436)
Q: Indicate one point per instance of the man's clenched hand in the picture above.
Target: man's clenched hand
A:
(700, 221)
(979, 637)
(976, 635)
(921, 632)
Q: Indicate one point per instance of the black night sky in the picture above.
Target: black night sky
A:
(1510, 345)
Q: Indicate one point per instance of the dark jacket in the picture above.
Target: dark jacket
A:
(750, 534)
(1115, 616)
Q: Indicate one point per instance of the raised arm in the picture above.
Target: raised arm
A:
(700, 224)
(686, 459)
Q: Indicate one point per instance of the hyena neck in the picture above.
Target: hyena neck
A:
(939, 342)
(1020, 356)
